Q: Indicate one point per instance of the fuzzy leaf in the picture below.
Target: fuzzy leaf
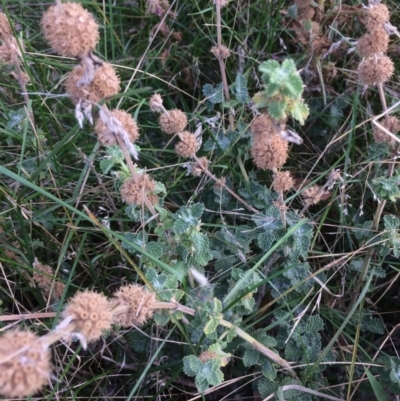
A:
(250, 357)
(241, 91)
(314, 324)
(277, 109)
(154, 249)
(267, 387)
(213, 94)
(191, 365)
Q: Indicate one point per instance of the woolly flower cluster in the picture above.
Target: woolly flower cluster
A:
(173, 121)
(376, 67)
(187, 146)
(135, 189)
(283, 181)
(107, 137)
(269, 151)
(70, 29)
(43, 277)
(24, 364)
(135, 304)
(105, 83)
(90, 314)
(392, 124)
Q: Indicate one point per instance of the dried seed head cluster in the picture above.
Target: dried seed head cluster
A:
(107, 137)
(375, 70)
(134, 189)
(269, 151)
(155, 103)
(138, 305)
(283, 181)
(105, 83)
(376, 16)
(262, 125)
(70, 29)
(373, 42)
(24, 364)
(43, 277)
(220, 52)
(173, 121)
(5, 27)
(198, 167)
(392, 124)
(90, 313)
(187, 146)
(312, 195)
(304, 10)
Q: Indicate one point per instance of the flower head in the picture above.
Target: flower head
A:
(90, 313)
(283, 181)
(262, 124)
(70, 29)
(155, 103)
(198, 167)
(5, 27)
(173, 121)
(375, 70)
(373, 42)
(269, 151)
(392, 124)
(188, 145)
(312, 195)
(134, 189)
(376, 16)
(105, 83)
(24, 364)
(107, 137)
(220, 52)
(138, 305)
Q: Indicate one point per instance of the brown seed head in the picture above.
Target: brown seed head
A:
(373, 42)
(199, 168)
(155, 103)
(392, 124)
(187, 147)
(42, 275)
(173, 122)
(220, 52)
(107, 137)
(5, 27)
(376, 16)
(26, 372)
(138, 303)
(269, 151)
(70, 29)
(312, 195)
(105, 83)
(305, 13)
(375, 70)
(283, 181)
(134, 189)
(91, 314)
(262, 124)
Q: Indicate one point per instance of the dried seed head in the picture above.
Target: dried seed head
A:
(91, 314)
(220, 52)
(107, 137)
(188, 145)
(42, 275)
(373, 42)
(392, 124)
(198, 168)
(305, 13)
(105, 83)
(138, 303)
(376, 16)
(375, 70)
(262, 124)
(173, 122)
(157, 7)
(5, 27)
(26, 372)
(155, 103)
(269, 151)
(134, 189)
(283, 181)
(70, 29)
(313, 194)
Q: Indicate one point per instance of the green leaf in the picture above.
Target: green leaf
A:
(106, 165)
(154, 249)
(211, 325)
(299, 111)
(213, 94)
(277, 109)
(391, 222)
(241, 92)
(191, 365)
(250, 357)
(379, 392)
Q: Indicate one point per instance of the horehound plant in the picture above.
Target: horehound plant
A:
(232, 269)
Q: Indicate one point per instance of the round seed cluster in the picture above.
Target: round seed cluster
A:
(187, 147)
(313, 194)
(134, 189)
(105, 83)
(269, 151)
(70, 29)
(262, 124)
(91, 314)
(373, 42)
(392, 124)
(198, 167)
(283, 181)
(26, 372)
(173, 122)
(220, 52)
(376, 16)
(138, 303)
(107, 137)
(375, 70)
(5, 28)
